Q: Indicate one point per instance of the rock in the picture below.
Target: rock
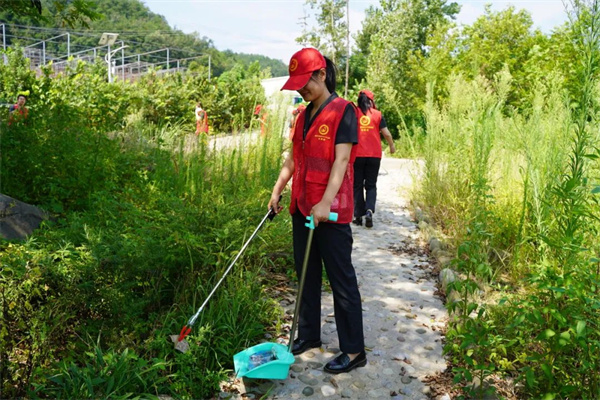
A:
(358, 384)
(445, 260)
(406, 380)
(17, 219)
(435, 244)
(447, 276)
(380, 393)
(347, 393)
(308, 391)
(444, 397)
(421, 331)
(426, 390)
(437, 253)
(297, 368)
(309, 380)
(410, 370)
(401, 339)
(327, 390)
(314, 365)
(344, 376)
(225, 395)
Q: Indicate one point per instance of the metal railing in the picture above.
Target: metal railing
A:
(118, 66)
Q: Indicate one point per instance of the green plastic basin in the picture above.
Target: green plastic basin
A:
(276, 369)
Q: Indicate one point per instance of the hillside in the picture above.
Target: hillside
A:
(138, 27)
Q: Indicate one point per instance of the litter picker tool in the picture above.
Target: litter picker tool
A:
(180, 343)
(273, 360)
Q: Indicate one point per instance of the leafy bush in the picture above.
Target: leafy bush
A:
(143, 228)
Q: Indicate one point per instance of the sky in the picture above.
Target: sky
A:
(270, 27)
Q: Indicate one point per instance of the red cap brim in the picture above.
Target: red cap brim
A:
(297, 82)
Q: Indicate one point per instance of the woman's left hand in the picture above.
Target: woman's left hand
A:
(320, 212)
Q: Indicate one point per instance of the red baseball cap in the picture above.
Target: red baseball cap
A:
(302, 65)
(369, 94)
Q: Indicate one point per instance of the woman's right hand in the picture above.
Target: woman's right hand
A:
(274, 203)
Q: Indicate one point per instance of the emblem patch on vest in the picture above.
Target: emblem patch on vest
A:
(323, 131)
(365, 123)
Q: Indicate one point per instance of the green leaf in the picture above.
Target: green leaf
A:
(547, 370)
(580, 327)
(546, 334)
(530, 377)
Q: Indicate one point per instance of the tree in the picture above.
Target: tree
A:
(501, 39)
(399, 31)
(66, 13)
(331, 34)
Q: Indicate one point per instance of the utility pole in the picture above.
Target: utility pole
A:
(4, 43)
(347, 47)
(209, 67)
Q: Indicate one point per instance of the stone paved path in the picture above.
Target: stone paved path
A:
(402, 317)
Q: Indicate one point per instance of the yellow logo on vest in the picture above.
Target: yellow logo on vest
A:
(323, 131)
(293, 65)
(365, 123)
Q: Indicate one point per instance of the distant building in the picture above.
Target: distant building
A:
(272, 87)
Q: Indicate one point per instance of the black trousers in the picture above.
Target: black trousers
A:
(332, 246)
(366, 170)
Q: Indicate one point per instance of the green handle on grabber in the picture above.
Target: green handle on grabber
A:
(311, 222)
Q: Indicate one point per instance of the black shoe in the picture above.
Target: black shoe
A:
(300, 346)
(357, 221)
(342, 363)
(369, 219)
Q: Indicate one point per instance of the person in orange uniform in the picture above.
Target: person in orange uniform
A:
(301, 107)
(321, 163)
(261, 113)
(371, 125)
(201, 120)
(18, 111)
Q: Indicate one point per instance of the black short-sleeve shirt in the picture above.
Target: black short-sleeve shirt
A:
(347, 131)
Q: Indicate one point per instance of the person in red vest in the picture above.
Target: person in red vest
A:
(262, 114)
(301, 107)
(320, 164)
(18, 111)
(201, 119)
(371, 125)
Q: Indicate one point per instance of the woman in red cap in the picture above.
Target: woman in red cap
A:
(368, 157)
(321, 165)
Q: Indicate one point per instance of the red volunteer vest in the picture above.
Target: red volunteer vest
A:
(202, 125)
(313, 159)
(21, 113)
(369, 141)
